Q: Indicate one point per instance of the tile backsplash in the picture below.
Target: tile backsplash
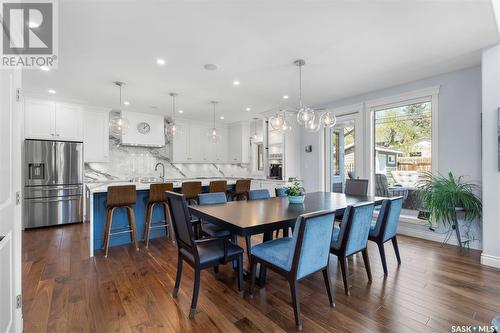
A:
(127, 162)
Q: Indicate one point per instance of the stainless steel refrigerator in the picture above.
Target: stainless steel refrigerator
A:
(53, 192)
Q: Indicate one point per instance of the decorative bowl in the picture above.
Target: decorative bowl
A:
(297, 199)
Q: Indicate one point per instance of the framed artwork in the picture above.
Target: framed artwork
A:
(391, 160)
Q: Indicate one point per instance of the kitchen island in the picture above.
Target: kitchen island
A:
(96, 194)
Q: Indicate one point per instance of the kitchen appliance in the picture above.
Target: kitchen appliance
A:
(53, 183)
(275, 171)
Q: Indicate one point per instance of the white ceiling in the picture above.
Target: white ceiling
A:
(351, 47)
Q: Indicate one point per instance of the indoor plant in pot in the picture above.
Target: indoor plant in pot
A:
(296, 193)
(445, 196)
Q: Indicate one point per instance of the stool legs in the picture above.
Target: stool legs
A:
(107, 230)
(133, 235)
(109, 225)
(148, 223)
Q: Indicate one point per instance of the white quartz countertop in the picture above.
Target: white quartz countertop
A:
(101, 187)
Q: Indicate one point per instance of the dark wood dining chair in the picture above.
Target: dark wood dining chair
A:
(356, 187)
(217, 186)
(199, 253)
(299, 256)
(352, 237)
(384, 229)
(241, 189)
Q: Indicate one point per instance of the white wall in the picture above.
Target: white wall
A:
(490, 149)
(459, 133)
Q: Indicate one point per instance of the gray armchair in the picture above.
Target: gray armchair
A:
(382, 188)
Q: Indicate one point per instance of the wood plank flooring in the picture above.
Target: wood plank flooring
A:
(66, 291)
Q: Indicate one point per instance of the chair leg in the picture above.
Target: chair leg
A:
(240, 272)
(133, 234)
(366, 260)
(396, 249)
(328, 285)
(343, 268)
(147, 224)
(248, 243)
(196, 290)
(167, 222)
(382, 256)
(253, 272)
(178, 276)
(294, 289)
(216, 269)
(105, 242)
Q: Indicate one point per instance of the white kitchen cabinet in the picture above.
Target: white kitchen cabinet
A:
(96, 135)
(179, 146)
(222, 147)
(195, 143)
(239, 143)
(51, 120)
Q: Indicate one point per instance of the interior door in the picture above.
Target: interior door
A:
(10, 209)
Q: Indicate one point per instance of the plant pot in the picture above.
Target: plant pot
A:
(296, 199)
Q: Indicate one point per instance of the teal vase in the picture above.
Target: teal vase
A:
(296, 199)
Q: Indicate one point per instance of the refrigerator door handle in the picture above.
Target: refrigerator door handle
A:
(55, 200)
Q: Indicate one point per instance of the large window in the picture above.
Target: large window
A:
(342, 154)
(403, 150)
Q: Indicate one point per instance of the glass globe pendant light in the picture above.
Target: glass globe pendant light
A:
(213, 134)
(277, 121)
(305, 114)
(170, 128)
(118, 125)
(312, 126)
(327, 120)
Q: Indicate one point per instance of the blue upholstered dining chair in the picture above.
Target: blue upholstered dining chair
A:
(281, 191)
(385, 228)
(352, 237)
(259, 194)
(199, 253)
(213, 199)
(299, 256)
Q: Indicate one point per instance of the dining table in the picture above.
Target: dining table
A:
(255, 217)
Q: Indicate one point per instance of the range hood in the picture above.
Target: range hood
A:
(146, 130)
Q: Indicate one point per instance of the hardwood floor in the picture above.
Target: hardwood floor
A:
(65, 291)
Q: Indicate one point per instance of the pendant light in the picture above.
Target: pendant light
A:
(118, 125)
(277, 121)
(305, 114)
(254, 137)
(171, 128)
(327, 119)
(213, 134)
(312, 126)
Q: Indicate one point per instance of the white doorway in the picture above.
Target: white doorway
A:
(10, 202)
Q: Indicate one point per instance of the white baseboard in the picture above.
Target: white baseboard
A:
(490, 260)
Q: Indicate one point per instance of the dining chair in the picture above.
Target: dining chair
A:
(260, 194)
(356, 187)
(299, 256)
(352, 237)
(241, 189)
(385, 228)
(217, 186)
(211, 229)
(199, 253)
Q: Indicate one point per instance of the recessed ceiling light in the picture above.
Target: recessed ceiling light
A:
(154, 107)
(126, 103)
(221, 117)
(285, 96)
(181, 111)
(210, 67)
(51, 91)
(161, 61)
(236, 83)
(248, 108)
(45, 68)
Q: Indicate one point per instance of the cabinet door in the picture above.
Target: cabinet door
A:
(39, 119)
(180, 144)
(96, 136)
(195, 143)
(207, 146)
(69, 122)
(222, 148)
(235, 152)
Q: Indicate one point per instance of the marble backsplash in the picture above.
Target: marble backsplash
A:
(128, 162)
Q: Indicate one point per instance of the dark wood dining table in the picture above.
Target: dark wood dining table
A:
(252, 217)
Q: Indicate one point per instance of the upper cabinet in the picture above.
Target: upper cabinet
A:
(239, 143)
(49, 120)
(96, 135)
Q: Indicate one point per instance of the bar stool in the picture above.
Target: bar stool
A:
(191, 191)
(241, 189)
(217, 186)
(120, 197)
(157, 196)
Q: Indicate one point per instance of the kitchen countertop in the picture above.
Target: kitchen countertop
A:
(101, 187)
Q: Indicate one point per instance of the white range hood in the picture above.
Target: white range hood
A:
(145, 130)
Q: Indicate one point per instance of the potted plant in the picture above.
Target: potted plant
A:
(296, 193)
(444, 196)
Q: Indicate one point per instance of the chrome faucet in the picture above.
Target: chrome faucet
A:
(162, 169)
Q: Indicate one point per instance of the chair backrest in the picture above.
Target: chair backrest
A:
(281, 191)
(119, 196)
(181, 220)
(262, 193)
(157, 192)
(242, 186)
(381, 185)
(311, 243)
(353, 235)
(391, 224)
(212, 198)
(217, 186)
(356, 187)
(191, 190)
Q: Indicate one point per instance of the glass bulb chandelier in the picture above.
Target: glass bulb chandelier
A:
(213, 134)
(327, 119)
(118, 125)
(305, 113)
(171, 128)
(277, 121)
